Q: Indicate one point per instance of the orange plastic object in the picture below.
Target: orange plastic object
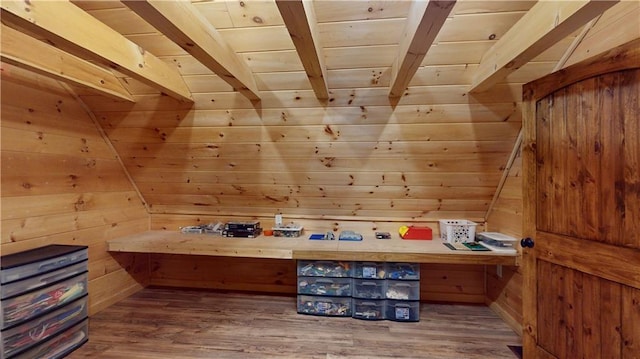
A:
(415, 232)
(268, 232)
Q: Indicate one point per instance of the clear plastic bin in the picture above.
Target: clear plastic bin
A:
(324, 306)
(40, 260)
(335, 287)
(373, 270)
(29, 305)
(403, 271)
(402, 290)
(334, 269)
(369, 288)
(60, 345)
(369, 309)
(403, 311)
(27, 335)
(42, 280)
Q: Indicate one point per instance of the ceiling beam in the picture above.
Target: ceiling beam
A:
(182, 23)
(69, 28)
(424, 22)
(36, 56)
(546, 23)
(300, 19)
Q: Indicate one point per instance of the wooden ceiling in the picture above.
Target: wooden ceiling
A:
(405, 110)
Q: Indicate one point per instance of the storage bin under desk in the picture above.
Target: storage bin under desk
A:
(324, 306)
(335, 287)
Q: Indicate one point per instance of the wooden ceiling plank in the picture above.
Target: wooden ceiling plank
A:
(34, 55)
(299, 17)
(181, 22)
(540, 28)
(423, 25)
(64, 25)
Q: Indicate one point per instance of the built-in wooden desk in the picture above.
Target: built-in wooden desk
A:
(369, 249)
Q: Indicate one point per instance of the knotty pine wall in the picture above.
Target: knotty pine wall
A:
(62, 184)
(504, 293)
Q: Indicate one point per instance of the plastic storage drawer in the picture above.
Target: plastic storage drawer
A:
(29, 305)
(403, 271)
(60, 345)
(369, 309)
(369, 288)
(402, 290)
(336, 287)
(325, 306)
(27, 335)
(325, 269)
(42, 280)
(36, 261)
(403, 311)
(372, 270)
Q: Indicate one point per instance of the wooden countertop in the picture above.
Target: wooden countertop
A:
(369, 249)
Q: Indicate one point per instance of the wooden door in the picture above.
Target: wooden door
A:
(582, 210)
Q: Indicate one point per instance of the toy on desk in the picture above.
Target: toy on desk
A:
(383, 235)
(350, 236)
(415, 232)
(288, 230)
(210, 228)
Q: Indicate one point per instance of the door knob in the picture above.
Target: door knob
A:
(527, 242)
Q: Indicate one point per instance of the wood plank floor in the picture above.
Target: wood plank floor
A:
(177, 323)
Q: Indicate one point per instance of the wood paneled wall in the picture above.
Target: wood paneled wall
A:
(62, 183)
(504, 292)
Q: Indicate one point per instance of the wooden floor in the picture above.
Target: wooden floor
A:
(170, 323)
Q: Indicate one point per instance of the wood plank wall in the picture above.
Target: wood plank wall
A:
(439, 282)
(504, 293)
(615, 27)
(62, 184)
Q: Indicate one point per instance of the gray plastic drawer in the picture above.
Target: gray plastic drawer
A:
(369, 309)
(403, 311)
(402, 290)
(369, 288)
(23, 307)
(371, 270)
(403, 271)
(24, 336)
(336, 269)
(335, 287)
(36, 261)
(42, 280)
(325, 306)
(60, 345)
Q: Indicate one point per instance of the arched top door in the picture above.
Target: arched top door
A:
(582, 209)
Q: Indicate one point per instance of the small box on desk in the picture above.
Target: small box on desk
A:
(415, 232)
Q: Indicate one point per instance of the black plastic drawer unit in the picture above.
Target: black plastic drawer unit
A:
(43, 302)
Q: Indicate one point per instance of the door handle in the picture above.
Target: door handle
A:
(527, 242)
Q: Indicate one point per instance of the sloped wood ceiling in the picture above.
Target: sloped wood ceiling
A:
(436, 151)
